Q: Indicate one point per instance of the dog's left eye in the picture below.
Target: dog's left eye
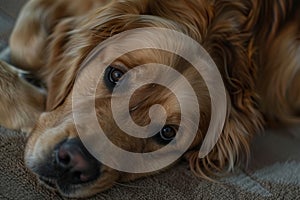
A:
(112, 76)
(167, 133)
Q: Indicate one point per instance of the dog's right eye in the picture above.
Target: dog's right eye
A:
(112, 76)
(166, 134)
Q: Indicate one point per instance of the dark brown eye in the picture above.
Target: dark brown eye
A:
(112, 76)
(167, 133)
(115, 75)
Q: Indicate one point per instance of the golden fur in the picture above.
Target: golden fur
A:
(254, 43)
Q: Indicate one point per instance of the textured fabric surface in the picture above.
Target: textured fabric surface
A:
(274, 173)
(277, 181)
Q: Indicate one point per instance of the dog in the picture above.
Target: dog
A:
(255, 45)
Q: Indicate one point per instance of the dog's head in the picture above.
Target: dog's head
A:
(56, 151)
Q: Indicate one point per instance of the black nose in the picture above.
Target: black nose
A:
(75, 163)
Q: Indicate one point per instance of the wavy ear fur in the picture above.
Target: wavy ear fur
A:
(59, 72)
(231, 149)
(233, 40)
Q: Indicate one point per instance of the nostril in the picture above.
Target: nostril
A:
(63, 157)
(85, 177)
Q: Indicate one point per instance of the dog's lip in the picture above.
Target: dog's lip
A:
(48, 182)
(57, 184)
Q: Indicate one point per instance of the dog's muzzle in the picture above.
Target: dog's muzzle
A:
(71, 164)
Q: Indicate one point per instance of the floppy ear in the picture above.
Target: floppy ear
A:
(60, 71)
(231, 149)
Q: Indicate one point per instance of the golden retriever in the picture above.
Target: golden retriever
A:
(254, 43)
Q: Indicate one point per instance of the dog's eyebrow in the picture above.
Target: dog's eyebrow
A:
(90, 57)
(135, 107)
